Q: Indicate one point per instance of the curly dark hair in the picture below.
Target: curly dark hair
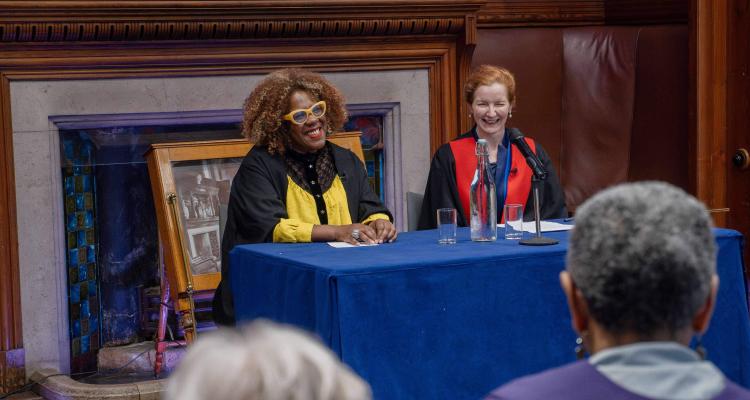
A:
(264, 109)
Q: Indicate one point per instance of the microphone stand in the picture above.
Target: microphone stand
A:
(537, 240)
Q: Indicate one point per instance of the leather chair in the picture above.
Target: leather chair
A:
(608, 103)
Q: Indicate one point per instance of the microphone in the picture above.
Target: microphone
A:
(516, 137)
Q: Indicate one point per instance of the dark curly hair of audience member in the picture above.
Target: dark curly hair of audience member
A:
(264, 109)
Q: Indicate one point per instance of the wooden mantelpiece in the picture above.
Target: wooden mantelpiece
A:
(45, 40)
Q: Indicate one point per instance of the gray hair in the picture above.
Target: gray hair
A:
(643, 255)
(263, 360)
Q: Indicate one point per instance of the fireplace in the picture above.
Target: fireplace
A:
(110, 225)
(75, 108)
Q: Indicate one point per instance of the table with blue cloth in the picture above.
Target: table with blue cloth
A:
(420, 320)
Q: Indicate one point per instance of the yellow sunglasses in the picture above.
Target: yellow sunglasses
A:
(301, 116)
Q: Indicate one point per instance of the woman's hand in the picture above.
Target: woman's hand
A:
(384, 230)
(364, 234)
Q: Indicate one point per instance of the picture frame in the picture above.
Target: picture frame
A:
(191, 182)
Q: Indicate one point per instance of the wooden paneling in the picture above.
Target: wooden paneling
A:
(720, 109)
(710, 134)
(130, 38)
(541, 12)
(11, 338)
(644, 12)
(501, 13)
(738, 116)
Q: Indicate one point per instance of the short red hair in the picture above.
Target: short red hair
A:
(486, 75)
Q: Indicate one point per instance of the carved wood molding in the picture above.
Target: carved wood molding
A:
(498, 13)
(214, 29)
(55, 21)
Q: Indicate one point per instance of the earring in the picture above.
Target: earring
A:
(510, 115)
(699, 347)
(580, 349)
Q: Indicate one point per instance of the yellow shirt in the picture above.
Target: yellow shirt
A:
(303, 213)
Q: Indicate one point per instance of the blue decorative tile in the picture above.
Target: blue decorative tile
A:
(79, 202)
(85, 344)
(70, 186)
(75, 293)
(73, 257)
(85, 309)
(82, 270)
(75, 329)
(81, 238)
(77, 171)
(91, 254)
(88, 220)
(86, 183)
(68, 149)
(72, 222)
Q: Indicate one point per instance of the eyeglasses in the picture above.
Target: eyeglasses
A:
(301, 116)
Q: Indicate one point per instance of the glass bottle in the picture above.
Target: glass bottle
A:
(483, 198)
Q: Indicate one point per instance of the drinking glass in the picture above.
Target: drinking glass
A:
(513, 214)
(446, 223)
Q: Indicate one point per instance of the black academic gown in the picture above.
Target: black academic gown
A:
(441, 191)
(257, 202)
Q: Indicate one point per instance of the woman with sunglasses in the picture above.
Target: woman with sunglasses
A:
(294, 186)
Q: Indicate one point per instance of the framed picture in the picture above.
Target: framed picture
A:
(191, 182)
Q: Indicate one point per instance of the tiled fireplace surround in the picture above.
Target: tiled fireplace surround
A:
(39, 193)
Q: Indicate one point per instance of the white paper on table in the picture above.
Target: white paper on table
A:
(343, 245)
(547, 226)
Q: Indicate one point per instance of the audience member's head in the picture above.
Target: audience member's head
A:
(641, 265)
(263, 360)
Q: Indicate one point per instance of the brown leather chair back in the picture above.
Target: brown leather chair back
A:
(608, 103)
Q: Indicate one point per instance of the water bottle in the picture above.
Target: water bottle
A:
(483, 198)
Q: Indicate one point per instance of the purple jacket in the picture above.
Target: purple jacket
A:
(581, 381)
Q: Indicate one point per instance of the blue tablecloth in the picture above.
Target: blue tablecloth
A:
(421, 320)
